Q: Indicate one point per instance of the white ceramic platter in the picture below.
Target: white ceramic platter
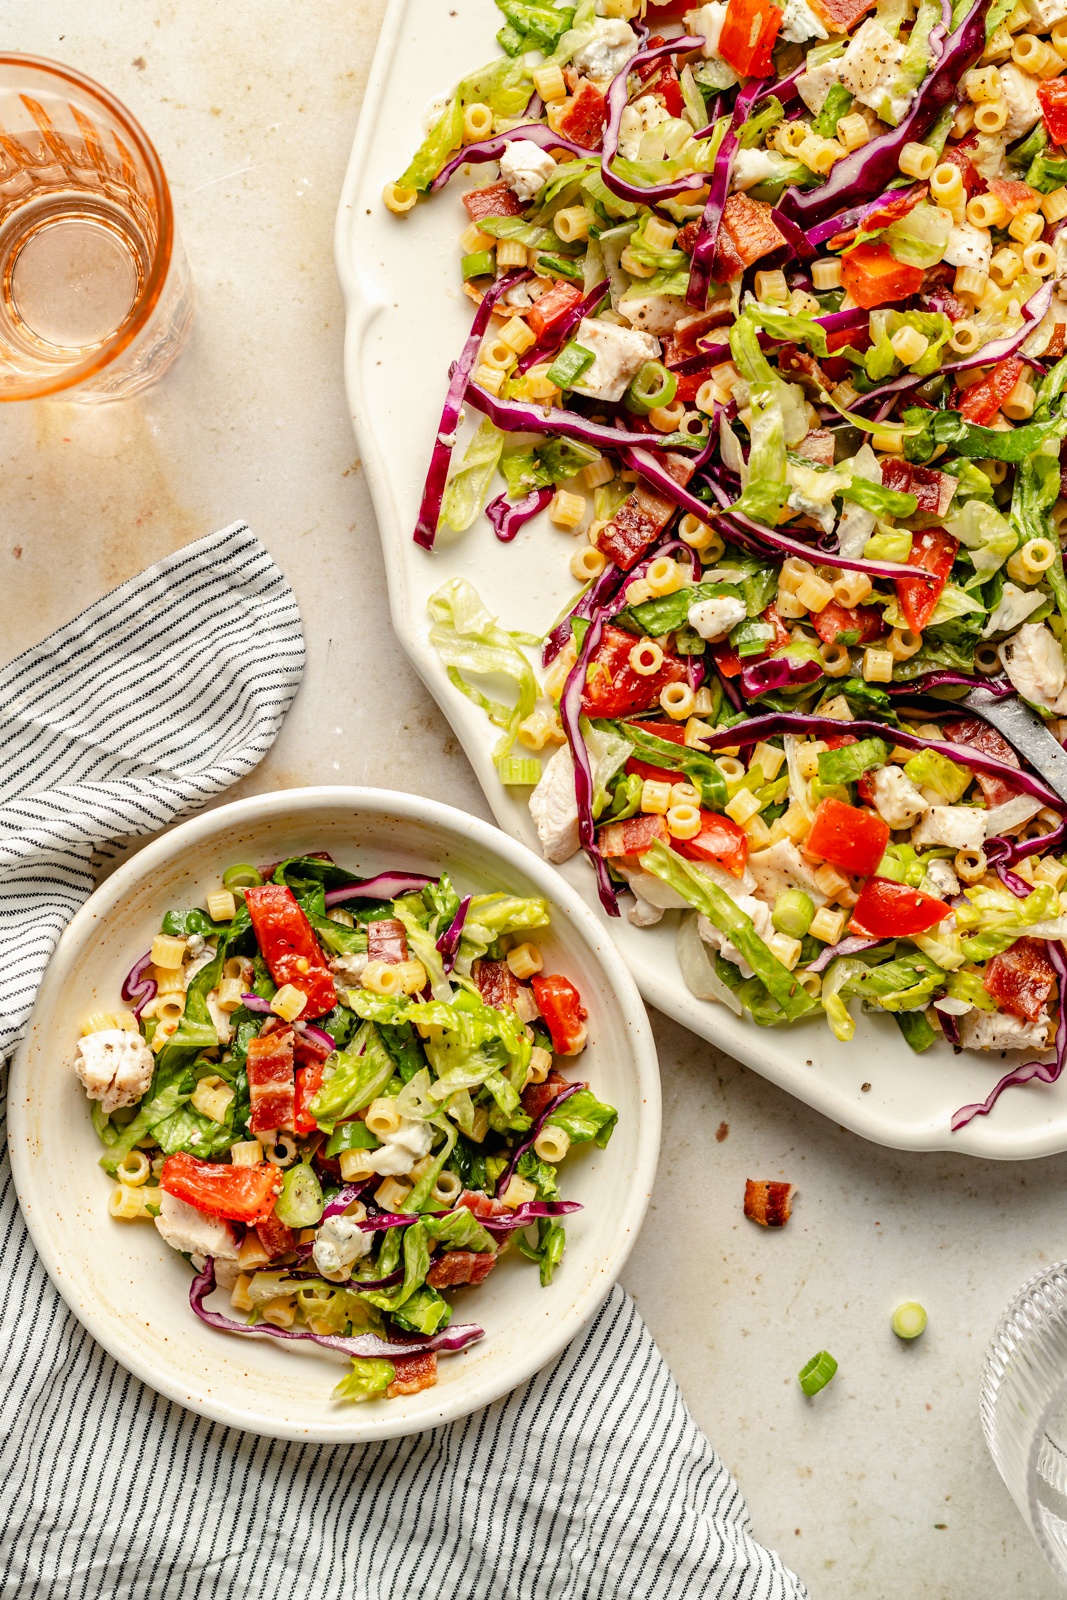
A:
(131, 1291)
(407, 319)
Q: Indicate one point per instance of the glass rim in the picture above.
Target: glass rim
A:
(152, 288)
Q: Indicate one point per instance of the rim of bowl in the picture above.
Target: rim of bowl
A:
(361, 799)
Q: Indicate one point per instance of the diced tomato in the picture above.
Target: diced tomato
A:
(1052, 97)
(240, 1194)
(933, 490)
(1020, 979)
(387, 941)
(840, 16)
(666, 85)
(728, 662)
(275, 1236)
(561, 1007)
(847, 837)
(834, 620)
(673, 732)
(970, 177)
(751, 229)
(413, 1373)
(749, 30)
(873, 276)
(496, 983)
(980, 736)
(934, 551)
(494, 200)
(536, 1097)
(289, 946)
(890, 910)
(308, 1084)
(982, 401)
(637, 523)
(583, 120)
(547, 313)
(720, 841)
(460, 1266)
(690, 385)
(271, 1083)
(614, 689)
(645, 769)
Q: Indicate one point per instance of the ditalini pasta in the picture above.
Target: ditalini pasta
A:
(337, 1150)
(771, 316)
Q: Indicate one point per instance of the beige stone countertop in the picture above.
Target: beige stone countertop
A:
(880, 1487)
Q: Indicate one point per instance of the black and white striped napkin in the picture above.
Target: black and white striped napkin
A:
(589, 1481)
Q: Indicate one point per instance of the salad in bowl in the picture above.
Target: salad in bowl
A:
(342, 1099)
(769, 314)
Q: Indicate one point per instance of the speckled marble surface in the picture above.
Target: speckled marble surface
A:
(879, 1488)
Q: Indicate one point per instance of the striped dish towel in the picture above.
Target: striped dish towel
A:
(590, 1479)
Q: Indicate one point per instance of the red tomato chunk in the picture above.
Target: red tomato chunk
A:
(561, 1007)
(240, 1194)
(719, 841)
(850, 839)
(874, 277)
(614, 689)
(934, 551)
(289, 946)
(889, 910)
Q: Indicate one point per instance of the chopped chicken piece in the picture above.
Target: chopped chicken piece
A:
(193, 1232)
(896, 799)
(998, 1030)
(957, 827)
(115, 1067)
(555, 809)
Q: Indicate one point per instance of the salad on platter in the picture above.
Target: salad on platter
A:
(770, 316)
(341, 1099)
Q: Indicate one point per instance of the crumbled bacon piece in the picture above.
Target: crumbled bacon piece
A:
(932, 489)
(483, 1205)
(494, 200)
(536, 1096)
(631, 837)
(980, 736)
(1054, 348)
(275, 1236)
(387, 941)
(1014, 194)
(768, 1203)
(496, 983)
(1020, 979)
(460, 1266)
(413, 1373)
(840, 16)
(686, 238)
(959, 156)
(746, 233)
(801, 364)
(638, 521)
(271, 1081)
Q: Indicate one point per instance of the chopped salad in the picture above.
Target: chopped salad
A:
(771, 307)
(341, 1099)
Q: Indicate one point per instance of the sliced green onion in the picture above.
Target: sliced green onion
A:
(557, 267)
(518, 769)
(354, 1135)
(794, 912)
(909, 1320)
(300, 1203)
(818, 1372)
(653, 387)
(572, 361)
(478, 265)
(241, 877)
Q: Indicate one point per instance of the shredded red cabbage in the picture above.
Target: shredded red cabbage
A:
(618, 94)
(523, 416)
(256, 1002)
(344, 1198)
(1033, 311)
(1005, 852)
(570, 711)
(523, 1215)
(384, 886)
(135, 986)
(849, 946)
(873, 166)
(448, 943)
(1011, 880)
(945, 678)
(520, 1150)
(317, 1038)
(364, 1345)
(492, 149)
(595, 598)
(833, 322)
(950, 1025)
(445, 441)
(1043, 1071)
(508, 517)
(563, 329)
(775, 722)
(777, 673)
(718, 191)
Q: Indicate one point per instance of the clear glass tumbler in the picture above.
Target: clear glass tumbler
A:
(95, 293)
(1024, 1408)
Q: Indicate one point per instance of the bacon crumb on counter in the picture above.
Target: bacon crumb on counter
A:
(768, 1203)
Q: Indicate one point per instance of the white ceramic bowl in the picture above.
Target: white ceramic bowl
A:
(131, 1291)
